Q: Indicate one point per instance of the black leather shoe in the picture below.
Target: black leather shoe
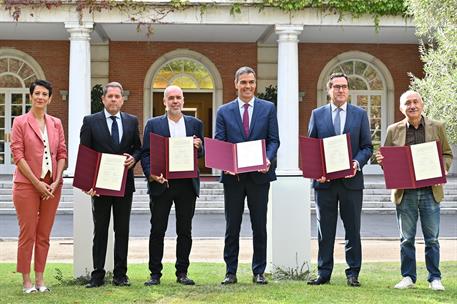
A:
(353, 281)
(319, 281)
(124, 281)
(95, 283)
(184, 280)
(259, 279)
(152, 281)
(230, 278)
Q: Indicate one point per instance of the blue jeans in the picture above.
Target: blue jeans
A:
(421, 202)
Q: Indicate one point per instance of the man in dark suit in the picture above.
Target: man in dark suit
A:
(116, 132)
(162, 192)
(247, 118)
(340, 117)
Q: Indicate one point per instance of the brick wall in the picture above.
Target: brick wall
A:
(398, 58)
(53, 57)
(130, 61)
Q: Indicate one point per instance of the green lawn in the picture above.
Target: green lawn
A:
(377, 287)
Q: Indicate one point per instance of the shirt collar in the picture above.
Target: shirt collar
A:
(108, 115)
(241, 103)
(343, 107)
(422, 123)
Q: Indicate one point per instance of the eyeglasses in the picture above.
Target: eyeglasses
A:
(338, 87)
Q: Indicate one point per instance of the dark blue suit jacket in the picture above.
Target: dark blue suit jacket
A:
(95, 135)
(159, 125)
(357, 125)
(264, 125)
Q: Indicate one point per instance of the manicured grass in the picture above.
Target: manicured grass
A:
(377, 281)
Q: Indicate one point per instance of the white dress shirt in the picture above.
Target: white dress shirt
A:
(250, 109)
(109, 121)
(342, 115)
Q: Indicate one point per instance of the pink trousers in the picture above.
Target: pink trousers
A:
(35, 217)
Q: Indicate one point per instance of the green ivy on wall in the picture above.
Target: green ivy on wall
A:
(354, 8)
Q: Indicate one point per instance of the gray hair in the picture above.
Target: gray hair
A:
(167, 89)
(243, 70)
(404, 96)
(112, 84)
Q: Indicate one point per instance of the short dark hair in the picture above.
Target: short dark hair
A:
(41, 83)
(243, 70)
(335, 75)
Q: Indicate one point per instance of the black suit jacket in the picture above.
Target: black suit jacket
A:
(96, 135)
(159, 125)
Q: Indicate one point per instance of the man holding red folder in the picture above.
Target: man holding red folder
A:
(247, 118)
(115, 132)
(410, 203)
(340, 117)
(162, 192)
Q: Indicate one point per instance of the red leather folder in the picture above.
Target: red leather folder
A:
(312, 160)
(159, 161)
(399, 170)
(86, 172)
(222, 155)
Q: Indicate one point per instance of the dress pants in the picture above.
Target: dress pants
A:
(101, 213)
(257, 198)
(181, 192)
(350, 205)
(35, 217)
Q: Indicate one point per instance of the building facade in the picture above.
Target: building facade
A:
(200, 50)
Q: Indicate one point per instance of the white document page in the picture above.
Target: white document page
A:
(336, 153)
(249, 153)
(181, 154)
(426, 161)
(110, 172)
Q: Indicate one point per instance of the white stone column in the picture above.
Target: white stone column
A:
(289, 237)
(79, 106)
(78, 85)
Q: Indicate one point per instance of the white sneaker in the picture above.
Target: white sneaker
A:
(405, 283)
(436, 285)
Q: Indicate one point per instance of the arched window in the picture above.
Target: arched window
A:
(186, 73)
(367, 89)
(17, 71)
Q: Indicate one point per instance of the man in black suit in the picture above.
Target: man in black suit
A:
(116, 132)
(162, 192)
(247, 118)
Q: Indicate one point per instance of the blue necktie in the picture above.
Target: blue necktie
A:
(115, 131)
(337, 122)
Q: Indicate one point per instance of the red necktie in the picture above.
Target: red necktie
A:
(246, 119)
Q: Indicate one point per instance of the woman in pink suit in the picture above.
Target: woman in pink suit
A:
(39, 152)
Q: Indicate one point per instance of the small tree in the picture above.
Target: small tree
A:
(270, 94)
(436, 27)
(96, 94)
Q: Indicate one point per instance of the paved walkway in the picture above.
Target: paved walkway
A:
(210, 250)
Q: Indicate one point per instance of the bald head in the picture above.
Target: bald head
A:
(173, 100)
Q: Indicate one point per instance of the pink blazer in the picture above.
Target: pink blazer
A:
(27, 143)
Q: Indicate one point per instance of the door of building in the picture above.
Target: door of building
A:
(13, 102)
(199, 105)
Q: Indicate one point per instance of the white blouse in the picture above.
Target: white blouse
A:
(46, 163)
